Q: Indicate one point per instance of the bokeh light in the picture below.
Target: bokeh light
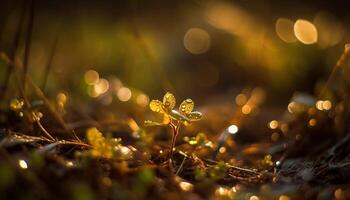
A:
(273, 124)
(91, 77)
(254, 197)
(231, 18)
(233, 129)
(284, 197)
(142, 100)
(197, 41)
(186, 186)
(241, 99)
(22, 164)
(101, 86)
(284, 29)
(246, 109)
(305, 31)
(124, 94)
(323, 105)
(312, 122)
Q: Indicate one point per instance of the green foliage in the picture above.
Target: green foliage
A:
(106, 147)
(218, 171)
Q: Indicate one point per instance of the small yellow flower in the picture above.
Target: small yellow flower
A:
(172, 117)
(185, 113)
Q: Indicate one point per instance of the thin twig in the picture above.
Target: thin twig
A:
(181, 166)
(44, 130)
(42, 96)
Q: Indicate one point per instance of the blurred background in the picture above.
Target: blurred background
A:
(196, 48)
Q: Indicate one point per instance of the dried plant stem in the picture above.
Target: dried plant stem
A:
(42, 96)
(26, 138)
(79, 143)
(45, 131)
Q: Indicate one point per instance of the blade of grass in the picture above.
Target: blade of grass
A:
(49, 63)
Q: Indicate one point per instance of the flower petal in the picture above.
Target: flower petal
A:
(169, 101)
(156, 106)
(178, 116)
(186, 106)
(195, 116)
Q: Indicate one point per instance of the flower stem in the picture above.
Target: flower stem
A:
(175, 129)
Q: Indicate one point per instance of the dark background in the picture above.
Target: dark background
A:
(142, 44)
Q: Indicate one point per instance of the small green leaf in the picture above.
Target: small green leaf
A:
(169, 101)
(186, 106)
(156, 106)
(195, 116)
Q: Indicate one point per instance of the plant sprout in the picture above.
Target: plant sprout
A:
(185, 115)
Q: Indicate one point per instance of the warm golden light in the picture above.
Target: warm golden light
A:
(305, 31)
(22, 164)
(124, 94)
(221, 191)
(125, 150)
(69, 164)
(246, 109)
(197, 41)
(291, 106)
(61, 99)
(234, 189)
(233, 129)
(186, 186)
(327, 105)
(319, 105)
(312, 122)
(91, 77)
(232, 19)
(284, 197)
(284, 30)
(273, 124)
(101, 86)
(222, 149)
(254, 197)
(241, 99)
(323, 105)
(339, 194)
(142, 100)
(92, 93)
(16, 104)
